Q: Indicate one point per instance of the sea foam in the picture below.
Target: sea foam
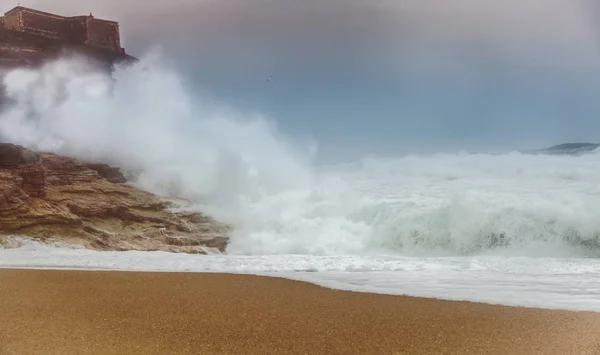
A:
(243, 170)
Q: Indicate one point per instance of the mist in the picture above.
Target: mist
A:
(247, 151)
(237, 167)
(381, 78)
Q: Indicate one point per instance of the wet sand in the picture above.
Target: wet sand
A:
(90, 312)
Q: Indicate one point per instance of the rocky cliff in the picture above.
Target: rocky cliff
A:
(57, 199)
(20, 49)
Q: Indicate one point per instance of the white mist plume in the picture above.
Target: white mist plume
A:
(243, 171)
(144, 119)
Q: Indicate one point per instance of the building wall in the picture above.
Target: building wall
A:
(12, 21)
(77, 32)
(53, 27)
(103, 34)
(78, 29)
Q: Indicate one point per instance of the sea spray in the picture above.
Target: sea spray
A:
(143, 119)
(244, 171)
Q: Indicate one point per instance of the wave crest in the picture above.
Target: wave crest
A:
(244, 171)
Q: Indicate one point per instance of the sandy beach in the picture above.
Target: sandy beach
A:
(90, 312)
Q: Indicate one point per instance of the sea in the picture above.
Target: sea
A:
(519, 228)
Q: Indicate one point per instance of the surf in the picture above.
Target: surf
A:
(242, 169)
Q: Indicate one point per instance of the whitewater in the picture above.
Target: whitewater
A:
(513, 228)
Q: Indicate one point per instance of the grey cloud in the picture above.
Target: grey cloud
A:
(267, 29)
(449, 69)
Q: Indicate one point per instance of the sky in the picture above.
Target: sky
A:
(382, 77)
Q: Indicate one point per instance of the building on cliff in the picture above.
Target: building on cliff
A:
(28, 37)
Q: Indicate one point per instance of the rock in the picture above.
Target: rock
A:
(108, 172)
(10, 243)
(13, 155)
(21, 49)
(53, 198)
(33, 180)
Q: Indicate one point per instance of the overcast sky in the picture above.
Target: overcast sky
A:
(383, 76)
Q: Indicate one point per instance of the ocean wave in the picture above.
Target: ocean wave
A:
(244, 171)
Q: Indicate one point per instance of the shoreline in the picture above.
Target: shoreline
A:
(110, 312)
(288, 276)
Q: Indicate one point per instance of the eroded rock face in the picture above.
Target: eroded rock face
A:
(108, 172)
(25, 165)
(53, 198)
(12, 156)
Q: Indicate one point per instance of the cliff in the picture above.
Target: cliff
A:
(56, 199)
(21, 49)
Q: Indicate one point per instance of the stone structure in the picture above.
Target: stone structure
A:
(86, 30)
(30, 37)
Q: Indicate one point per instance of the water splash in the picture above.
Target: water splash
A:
(243, 170)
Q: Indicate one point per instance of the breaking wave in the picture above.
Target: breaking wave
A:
(243, 170)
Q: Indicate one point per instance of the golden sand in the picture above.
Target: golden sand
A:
(89, 312)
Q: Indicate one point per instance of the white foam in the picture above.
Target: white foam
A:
(567, 283)
(243, 171)
(508, 228)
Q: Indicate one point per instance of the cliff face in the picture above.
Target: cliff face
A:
(53, 198)
(18, 49)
